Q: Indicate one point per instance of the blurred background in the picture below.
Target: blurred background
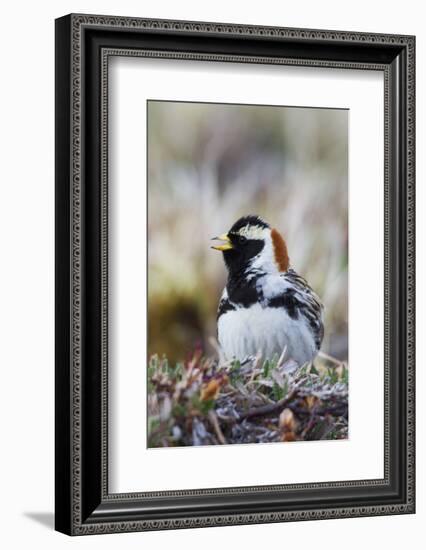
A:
(209, 164)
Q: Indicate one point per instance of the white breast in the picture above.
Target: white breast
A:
(247, 331)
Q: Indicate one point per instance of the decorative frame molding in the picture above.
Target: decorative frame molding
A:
(84, 43)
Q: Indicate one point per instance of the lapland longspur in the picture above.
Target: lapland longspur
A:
(265, 306)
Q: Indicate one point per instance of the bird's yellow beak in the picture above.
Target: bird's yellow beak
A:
(227, 245)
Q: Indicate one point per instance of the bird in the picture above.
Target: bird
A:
(266, 307)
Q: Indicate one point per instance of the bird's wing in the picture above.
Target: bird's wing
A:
(299, 299)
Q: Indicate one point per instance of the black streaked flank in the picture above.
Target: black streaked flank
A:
(288, 301)
(225, 306)
(318, 330)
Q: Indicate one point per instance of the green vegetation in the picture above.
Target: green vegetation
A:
(204, 402)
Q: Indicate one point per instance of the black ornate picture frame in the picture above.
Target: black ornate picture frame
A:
(84, 44)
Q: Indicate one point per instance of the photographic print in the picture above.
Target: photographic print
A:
(207, 220)
(247, 274)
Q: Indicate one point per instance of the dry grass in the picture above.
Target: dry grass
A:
(205, 401)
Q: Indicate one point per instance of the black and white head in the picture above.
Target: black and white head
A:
(251, 243)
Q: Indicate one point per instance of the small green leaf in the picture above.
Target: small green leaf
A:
(278, 392)
(266, 368)
(235, 365)
(206, 406)
(179, 410)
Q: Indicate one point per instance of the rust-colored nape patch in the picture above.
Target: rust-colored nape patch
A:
(280, 250)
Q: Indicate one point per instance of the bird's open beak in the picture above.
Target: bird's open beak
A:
(227, 245)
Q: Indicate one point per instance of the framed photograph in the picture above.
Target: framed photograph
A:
(234, 274)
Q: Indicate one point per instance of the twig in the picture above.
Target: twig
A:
(215, 424)
(268, 409)
(338, 410)
(226, 419)
(281, 359)
(310, 423)
(256, 362)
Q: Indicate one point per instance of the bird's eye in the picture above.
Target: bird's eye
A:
(241, 239)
